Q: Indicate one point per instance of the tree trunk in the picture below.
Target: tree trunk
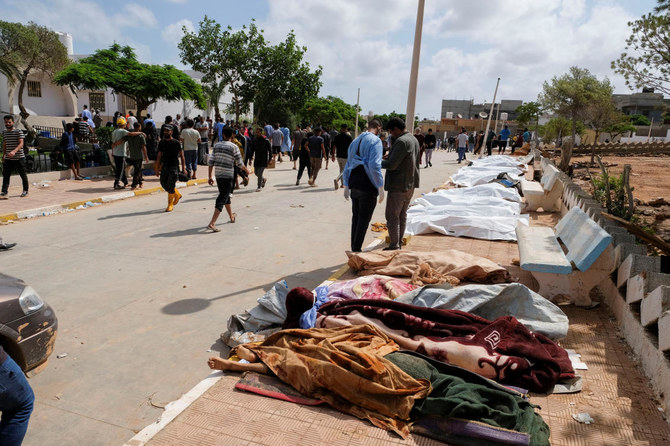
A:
(217, 110)
(566, 151)
(593, 149)
(23, 113)
(629, 193)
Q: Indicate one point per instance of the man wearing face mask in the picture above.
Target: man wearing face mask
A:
(363, 180)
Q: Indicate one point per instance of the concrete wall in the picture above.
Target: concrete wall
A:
(637, 292)
(55, 100)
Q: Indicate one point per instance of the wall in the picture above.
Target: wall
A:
(55, 101)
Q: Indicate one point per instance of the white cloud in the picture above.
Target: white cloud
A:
(175, 31)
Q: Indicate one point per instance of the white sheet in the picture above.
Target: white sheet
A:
(449, 196)
(474, 175)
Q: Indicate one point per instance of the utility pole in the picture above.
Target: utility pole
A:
(358, 101)
(650, 126)
(414, 74)
(488, 123)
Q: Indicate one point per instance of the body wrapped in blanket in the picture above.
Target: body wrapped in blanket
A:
(503, 350)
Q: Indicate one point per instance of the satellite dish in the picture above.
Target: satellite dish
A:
(460, 116)
(483, 115)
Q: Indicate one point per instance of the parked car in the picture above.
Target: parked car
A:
(27, 324)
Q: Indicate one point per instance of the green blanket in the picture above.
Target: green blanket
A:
(466, 400)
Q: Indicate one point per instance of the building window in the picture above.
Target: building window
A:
(34, 89)
(128, 103)
(96, 101)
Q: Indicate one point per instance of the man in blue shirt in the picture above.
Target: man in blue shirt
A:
(149, 120)
(526, 135)
(504, 137)
(86, 113)
(70, 152)
(363, 180)
(286, 142)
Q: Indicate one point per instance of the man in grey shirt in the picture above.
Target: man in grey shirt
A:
(277, 138)
(402, 177)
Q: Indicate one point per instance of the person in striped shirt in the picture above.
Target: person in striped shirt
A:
(225, 155)
(13, 157)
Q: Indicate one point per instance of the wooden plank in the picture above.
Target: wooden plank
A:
(652, 239)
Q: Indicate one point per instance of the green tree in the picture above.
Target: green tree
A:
(213, 92)
(117, 68)
(569, 96)
(529, 114)
(558, 127)
(227, 59)
(639, 120)
(600, 114)
(282, 82)
(646, 60)
(329, 112)
(12, 36)
(34, 48)
(385, 119)
(623, 125)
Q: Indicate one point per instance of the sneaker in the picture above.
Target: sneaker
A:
(3, 195)
(6, 246)
(265, 180)
(258, 190)
(297, 183)
(24, 193)
(245, 181)
(78, 178)
(430, 164)
(391, 248)
(336, 183)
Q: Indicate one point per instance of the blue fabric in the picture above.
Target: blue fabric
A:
(308, 318)
(218, 128)
(70, 141)
(16, 403)
(369, 155)
(286, 145)
(504, 134)
(526, 136)
(268, 131)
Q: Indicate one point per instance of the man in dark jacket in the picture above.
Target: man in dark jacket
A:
(402, 177)
(261, 151)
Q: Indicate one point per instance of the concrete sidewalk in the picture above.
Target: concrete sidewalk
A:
(49, 197)
(615, 392)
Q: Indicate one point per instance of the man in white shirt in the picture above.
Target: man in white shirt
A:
(462, 141)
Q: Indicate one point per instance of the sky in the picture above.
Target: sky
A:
(466, 45)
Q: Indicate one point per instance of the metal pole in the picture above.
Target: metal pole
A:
(650, 126)
(414, 74)
(358, 101)
(488, 122)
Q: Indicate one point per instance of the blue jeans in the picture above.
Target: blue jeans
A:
(16, 403)
(191, 158)
(461, 153)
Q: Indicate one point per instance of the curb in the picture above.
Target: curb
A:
(58, 208)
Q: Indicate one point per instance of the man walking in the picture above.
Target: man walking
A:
(286, 141)
(13, 157)
(261, 151)
(137, 152)
(70, 152)
(429, 144)
(317, 152)
(402, 177)
(167, 165)
(342, 142)
(462, 144)
(363, 180)
(298, 136)
(225, 155)
(190, 138)
(277, 139)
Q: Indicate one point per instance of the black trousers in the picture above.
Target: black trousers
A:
(120, 170)
(8, 166)
(363, 204)
(304, 163)
(225, 186)
(138, 179)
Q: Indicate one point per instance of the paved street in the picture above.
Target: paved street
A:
(142, 295)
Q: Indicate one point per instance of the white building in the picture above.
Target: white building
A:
(48, 104)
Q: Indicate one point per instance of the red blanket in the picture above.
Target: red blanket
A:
(503, 350)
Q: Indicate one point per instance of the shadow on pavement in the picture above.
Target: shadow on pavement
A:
(309, 280)
(183, 232)
(133, 214)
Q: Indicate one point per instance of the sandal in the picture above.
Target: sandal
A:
(232, 220)
(213, 229)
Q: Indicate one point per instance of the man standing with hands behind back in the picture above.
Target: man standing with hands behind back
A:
(363, 180)
(402, 177)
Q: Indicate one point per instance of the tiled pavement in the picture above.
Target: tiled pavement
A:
(615, 392)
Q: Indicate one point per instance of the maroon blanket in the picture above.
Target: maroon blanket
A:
(503, 350)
